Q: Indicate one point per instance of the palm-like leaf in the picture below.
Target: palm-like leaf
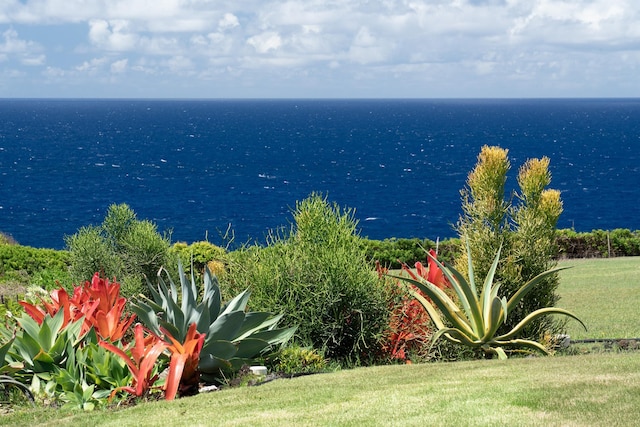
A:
(476, 320)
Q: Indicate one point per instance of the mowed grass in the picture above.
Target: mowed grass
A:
(586, 390)
(605, 294)
(599, 389)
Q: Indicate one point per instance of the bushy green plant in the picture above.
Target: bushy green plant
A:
(524, 228)
(122, 247)
(319, 276)
(295, 359)
(200, 255)
(598, 243)
(22, 266)
(474, 319)
(392, 253)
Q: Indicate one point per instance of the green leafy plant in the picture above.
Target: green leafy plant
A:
(474, 322)
(523, 224)
(72, 386)
(44, 347)
(298, 360)
(7, 380)
(122, 247)
(320, 278)
(103, 368)
(233, 337)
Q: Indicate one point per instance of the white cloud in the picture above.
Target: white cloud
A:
(92, 66)
(119, 66)
(385, 40)
(265, 42)
(26, 52)
(228, 21)
(112, 35)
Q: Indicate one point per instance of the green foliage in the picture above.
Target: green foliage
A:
(72, 384)
(598, 243)
(393, 252)
(297, 360)
(319, 276)
(122, 247)
(475, 320)
(525, 229)
(200, 254)
(44, 347)
(21, 266)
(233, 337)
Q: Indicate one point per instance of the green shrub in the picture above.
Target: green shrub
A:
(598, 243)
(319, 276)
(202, 254)
(393, 252)
(31, 260)
(123, 247)
(297, 360)
(524, 229)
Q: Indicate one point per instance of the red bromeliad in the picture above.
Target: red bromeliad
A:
(433, 274)
(184, 376)
(108, 320)
(410, 324)
(99, 302)
(74, 308)
(141, 360)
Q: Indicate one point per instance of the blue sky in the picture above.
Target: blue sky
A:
(319, 48)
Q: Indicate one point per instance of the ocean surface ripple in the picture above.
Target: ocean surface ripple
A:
(196, 167)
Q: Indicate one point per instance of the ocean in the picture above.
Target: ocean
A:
(199, 167)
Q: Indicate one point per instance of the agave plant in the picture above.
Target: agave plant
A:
(43, 347)
(7, 380)
(233, 337)
(476, 322)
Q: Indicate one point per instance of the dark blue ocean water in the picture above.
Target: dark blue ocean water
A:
(197, 166)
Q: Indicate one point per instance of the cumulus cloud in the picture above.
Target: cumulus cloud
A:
(394, 40)
(25, 51)
(265, 42)
(112, 35)
(119, 66)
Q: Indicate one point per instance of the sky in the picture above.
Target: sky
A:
(319, 48)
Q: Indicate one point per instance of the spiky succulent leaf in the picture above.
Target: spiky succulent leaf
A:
(466, 291)
(448, 308)
(527, 287)
(476, 324)
(239, 303)
(531, 316)
(227, 326)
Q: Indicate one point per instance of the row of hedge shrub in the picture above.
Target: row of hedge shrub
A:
(571, 244)
(389, 252)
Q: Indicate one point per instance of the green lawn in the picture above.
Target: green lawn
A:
(587, 390)
(599, 389)
(605, 294)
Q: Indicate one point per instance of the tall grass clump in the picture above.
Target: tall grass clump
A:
(122, 247)
(318, 275)
(524, 225)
